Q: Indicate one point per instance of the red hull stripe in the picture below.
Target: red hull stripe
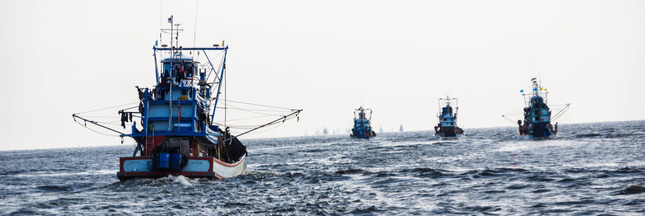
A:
(165, 173)
(219, 176)
(228, 164)
(123, 159)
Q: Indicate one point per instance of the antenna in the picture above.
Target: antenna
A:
(195, 31)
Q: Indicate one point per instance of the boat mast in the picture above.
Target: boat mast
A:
(172, 56)
(219, 85)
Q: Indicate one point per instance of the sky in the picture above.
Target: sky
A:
(326, 57)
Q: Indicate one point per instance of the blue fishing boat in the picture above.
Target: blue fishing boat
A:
(362, 124)
(177, 134)
(447, 126)
(537, 114)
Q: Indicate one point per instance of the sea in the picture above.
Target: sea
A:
(588, 169)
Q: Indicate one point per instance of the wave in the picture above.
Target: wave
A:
(634, 189)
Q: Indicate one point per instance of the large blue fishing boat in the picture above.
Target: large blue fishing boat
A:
(177, 134)
(537, 114)
(362, 124)
(447, 126)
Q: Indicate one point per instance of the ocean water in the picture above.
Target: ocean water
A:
(588, 169)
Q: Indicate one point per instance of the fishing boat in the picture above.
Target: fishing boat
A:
(537, 114)
(177, 134)
(447, 126)
(362, 128)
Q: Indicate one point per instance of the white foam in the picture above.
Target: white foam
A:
(181, 180)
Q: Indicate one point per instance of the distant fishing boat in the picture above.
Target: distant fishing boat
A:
(177, 135)
(447, 126)
(362, 124)
(537, 114)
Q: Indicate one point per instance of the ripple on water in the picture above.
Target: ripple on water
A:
(591, 169)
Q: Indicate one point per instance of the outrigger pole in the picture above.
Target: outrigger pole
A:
(96, 123)
(219, 85)
(283, 118)
(557, 115)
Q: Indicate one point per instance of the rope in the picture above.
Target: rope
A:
(284, 118)
(219, 55)
(110, 108)
(252, 111)
(242, 109)
(195, 35)
(240, 119)
(260, 105)
(560, 113)
(85, 126)
(266, 129)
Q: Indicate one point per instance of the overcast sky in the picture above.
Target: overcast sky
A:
(326, 57)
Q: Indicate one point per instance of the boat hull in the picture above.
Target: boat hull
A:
(196, 167)
(448, 137)
(362, 134)
(448, 132)
(537, 130)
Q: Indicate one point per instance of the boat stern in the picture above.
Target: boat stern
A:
(195, 167)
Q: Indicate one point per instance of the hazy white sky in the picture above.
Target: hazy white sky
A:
(327, 57)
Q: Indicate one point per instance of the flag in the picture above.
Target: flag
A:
(170, 19)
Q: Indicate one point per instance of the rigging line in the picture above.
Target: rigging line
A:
(255, 117)
(509, 120)
(262, 114)
(213, 69)
(85, 126)
(109, 122)
(129, 108)
(513, 113)
(107, 108)
(93, 122)
(245, 127)
(269, 128)
(261, 105)
(557, 115)
(219, 68)
(225, 97)
(253, 126)
(118, 119)
(259, 112)
(239, 127)
(195, 31)
(111, 116)
(284, 118)
(160, 22)
(256, 111)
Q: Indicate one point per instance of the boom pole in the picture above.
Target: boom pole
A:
(96, 123)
